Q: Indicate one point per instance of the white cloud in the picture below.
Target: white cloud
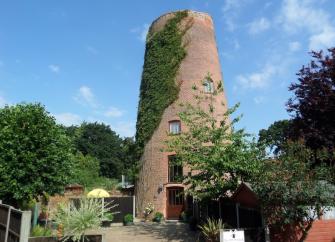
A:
(259, 99)
(325, 39)
(85, 97)
(125, 129)
(259, 79)
(3, 102)
(294, 46)
(232, 5)
(114, 112)
(54, 68)
(92, 50)
(141, 32)
(231, 10)
(302, 15)
(259, 25)
(236, 45)
(68, 119)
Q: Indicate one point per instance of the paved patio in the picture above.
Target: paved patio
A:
(151, 232)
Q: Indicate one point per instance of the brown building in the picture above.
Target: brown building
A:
(157, 183)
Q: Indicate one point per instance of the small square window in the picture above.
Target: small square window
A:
(208, 86)
(175, 127)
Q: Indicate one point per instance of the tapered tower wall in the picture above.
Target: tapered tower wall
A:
(201, 58)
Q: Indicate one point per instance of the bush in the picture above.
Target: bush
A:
(128, 218)
(185, 216)
(39, 231)
(109, 216)
(75, 220)
(211, 229)
(158, 217)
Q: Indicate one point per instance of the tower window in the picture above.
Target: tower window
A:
(175, 127)
(208, 86)
(175, 170)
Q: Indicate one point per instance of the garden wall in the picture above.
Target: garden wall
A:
(321, 231)
(89, 238)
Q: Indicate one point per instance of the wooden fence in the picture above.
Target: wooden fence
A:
(14, 224)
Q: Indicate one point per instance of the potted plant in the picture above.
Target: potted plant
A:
(108, 218)
(148, 210)
(128, 219)
(158, 217)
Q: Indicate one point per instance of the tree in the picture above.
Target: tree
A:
(275, 136)
(34, 154)
(313, 107)
(217, 155)
(99, 141)
(86, 170)
(129, 158)
(292, 194)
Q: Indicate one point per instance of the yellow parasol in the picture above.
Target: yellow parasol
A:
(98, 193)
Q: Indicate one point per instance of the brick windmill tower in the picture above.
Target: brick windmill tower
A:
(180, 51)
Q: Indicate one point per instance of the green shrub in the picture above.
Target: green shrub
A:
(185, 215)
(211, 229)
(39, 231)
(158, 217)
(128, 218)
(75, 220)
(109, 216)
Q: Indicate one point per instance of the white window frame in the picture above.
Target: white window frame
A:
(175, 127)
(208, 86)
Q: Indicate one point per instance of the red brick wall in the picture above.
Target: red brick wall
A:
(321, 231)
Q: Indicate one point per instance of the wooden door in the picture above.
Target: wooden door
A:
(174, 202)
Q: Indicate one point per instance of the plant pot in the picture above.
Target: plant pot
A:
(157, 220)
(106, 223)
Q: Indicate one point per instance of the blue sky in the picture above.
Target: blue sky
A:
(83, 59)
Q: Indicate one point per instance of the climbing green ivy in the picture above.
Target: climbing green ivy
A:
(163, 55)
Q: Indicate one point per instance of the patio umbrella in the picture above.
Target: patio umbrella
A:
(98, 193)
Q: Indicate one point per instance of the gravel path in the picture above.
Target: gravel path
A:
(151, 232)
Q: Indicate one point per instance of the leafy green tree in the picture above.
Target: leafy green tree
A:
(99, 141)
(275, 136)
(292, 192)
(86, 173)
(86, 170)
(217, 155)
(35, 154)
(129, 158)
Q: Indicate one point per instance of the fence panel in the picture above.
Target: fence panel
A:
(125, 205)
(14, 224)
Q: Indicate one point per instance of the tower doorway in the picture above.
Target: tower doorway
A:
(174, 202)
